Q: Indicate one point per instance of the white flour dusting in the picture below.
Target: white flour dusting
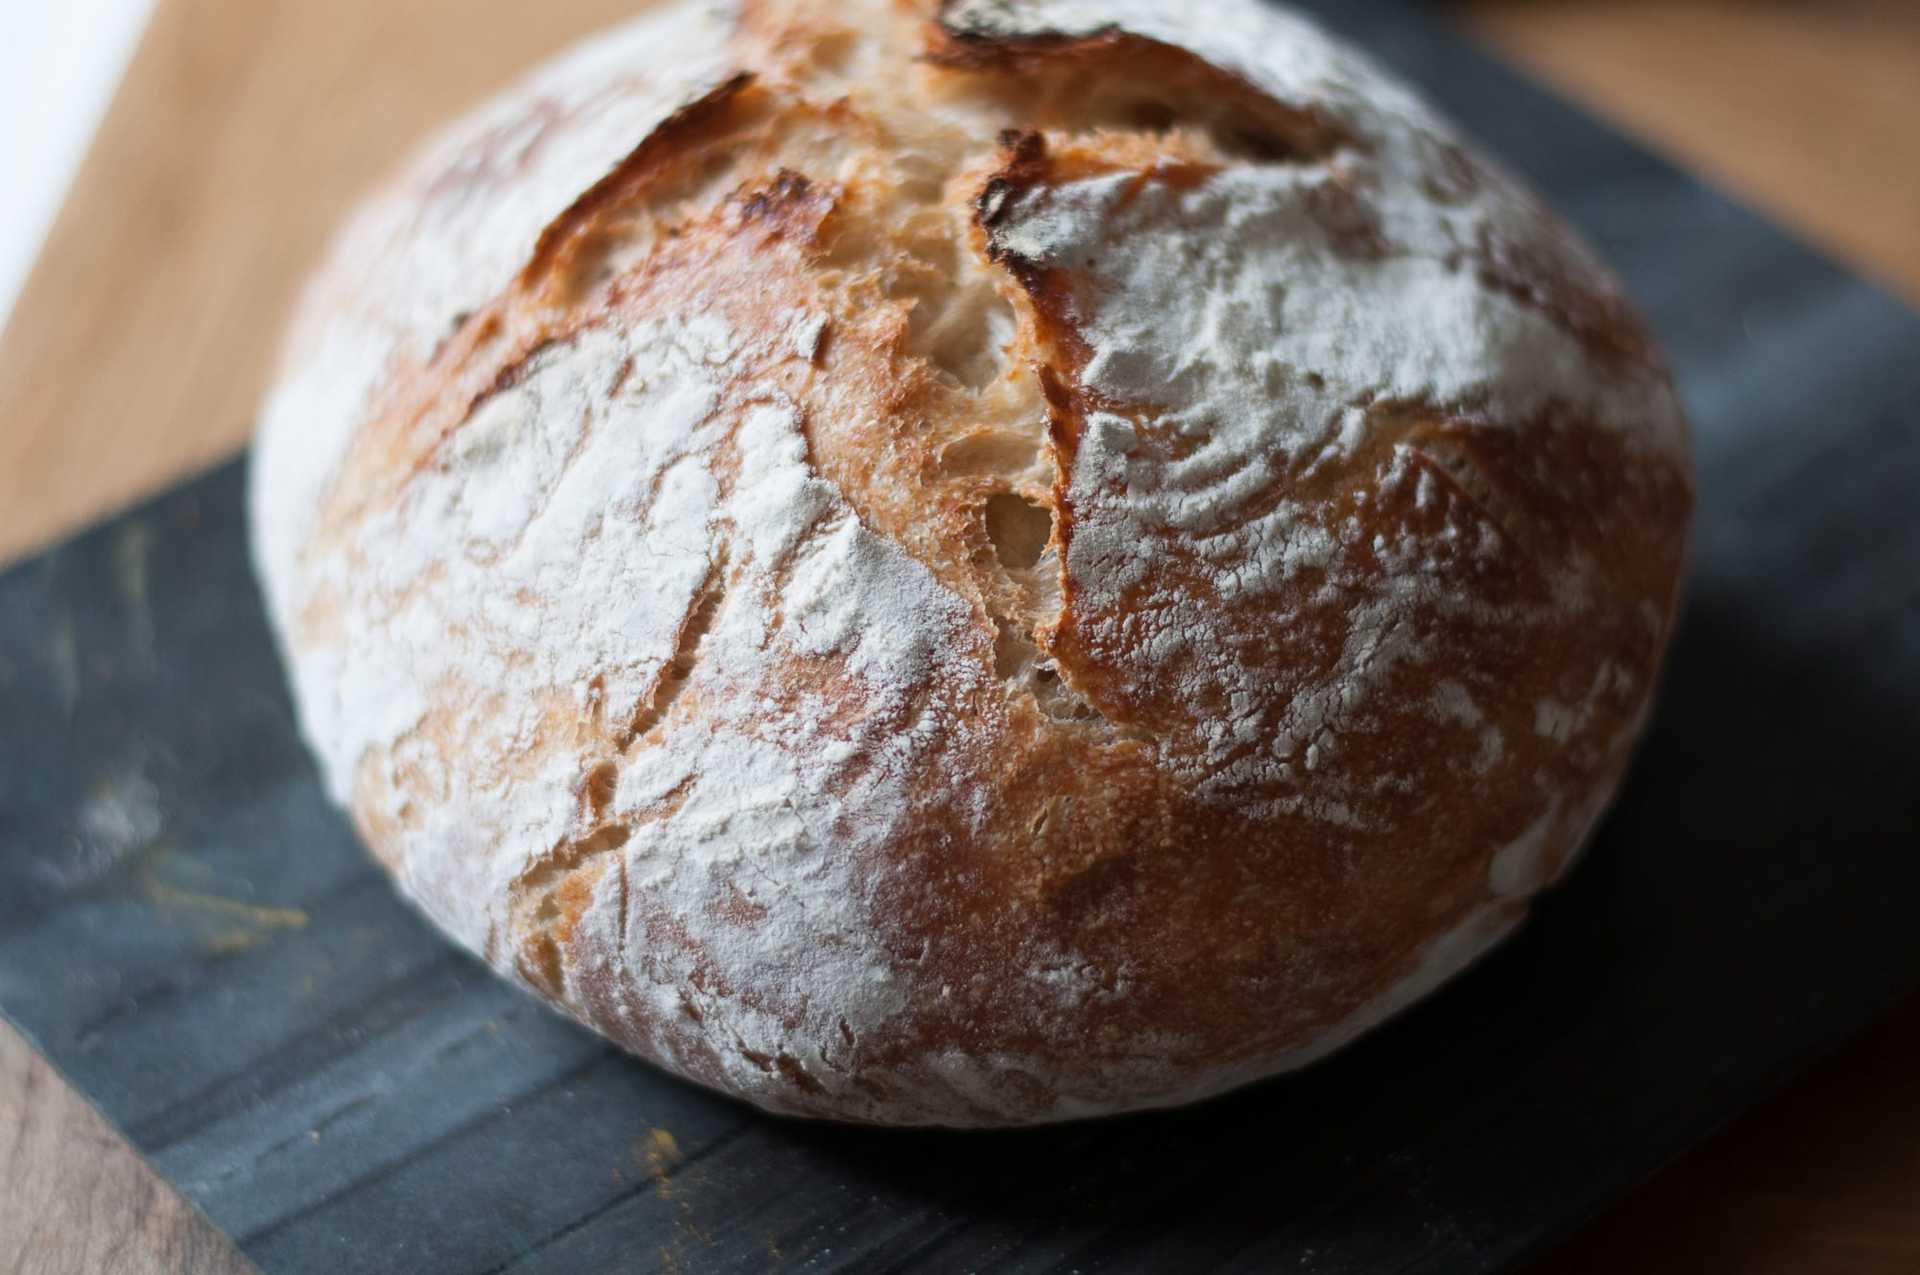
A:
(618, 598)
(450, 235)
(1260, 343)
(562, 540)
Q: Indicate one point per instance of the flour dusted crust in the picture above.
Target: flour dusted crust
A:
(975, 566)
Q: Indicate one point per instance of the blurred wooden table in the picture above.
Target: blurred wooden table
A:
(139, 347)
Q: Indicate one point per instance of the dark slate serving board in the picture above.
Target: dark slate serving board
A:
(193, 936)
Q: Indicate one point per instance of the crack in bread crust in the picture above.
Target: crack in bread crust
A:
(972, 563)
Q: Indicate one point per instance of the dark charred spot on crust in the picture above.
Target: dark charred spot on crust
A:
(788, 207)
(787, 188)
(1025, 167)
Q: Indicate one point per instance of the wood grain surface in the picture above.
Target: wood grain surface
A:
(74, 1198)
(1809, 110)
(140, 343)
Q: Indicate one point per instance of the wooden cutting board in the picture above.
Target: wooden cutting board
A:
(139, 345)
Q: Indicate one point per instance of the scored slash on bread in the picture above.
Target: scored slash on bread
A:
(974, 564)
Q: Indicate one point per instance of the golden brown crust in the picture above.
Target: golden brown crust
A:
(993, 731)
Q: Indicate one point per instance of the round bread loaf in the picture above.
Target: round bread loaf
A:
(970, 564)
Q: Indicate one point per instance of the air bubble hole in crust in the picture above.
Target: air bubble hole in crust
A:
(1019, 530)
